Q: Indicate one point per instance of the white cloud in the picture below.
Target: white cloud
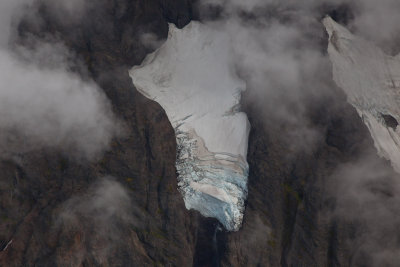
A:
(278, 52)
(43, 103)
(367, 194)
(100, 216)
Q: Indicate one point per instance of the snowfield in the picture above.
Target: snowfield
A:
(371, 81)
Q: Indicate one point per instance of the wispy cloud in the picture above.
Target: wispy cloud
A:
(366, 192)
(43, 101)
(100, 218)
(279, 51)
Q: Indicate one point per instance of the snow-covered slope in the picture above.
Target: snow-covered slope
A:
(191, 77)
(371, 80)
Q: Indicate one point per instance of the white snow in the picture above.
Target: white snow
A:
(191, 77)
(371, 80)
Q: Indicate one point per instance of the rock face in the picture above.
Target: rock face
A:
(191, 78)
(34, 190)
(371, 81)
(284, 222)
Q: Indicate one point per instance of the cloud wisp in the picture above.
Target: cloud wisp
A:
(43, 102)
(279, 50)
(99, 218)
(366, 192)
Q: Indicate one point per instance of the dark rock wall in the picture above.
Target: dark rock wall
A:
(284, 224)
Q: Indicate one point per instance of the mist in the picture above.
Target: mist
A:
(280, 51)
(366, 192)
(277, 52)
(44, 101)
(98, 217)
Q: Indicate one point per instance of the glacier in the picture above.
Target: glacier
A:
(371, 81)
(192, 78)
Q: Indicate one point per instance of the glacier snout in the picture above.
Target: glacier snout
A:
(191, 77)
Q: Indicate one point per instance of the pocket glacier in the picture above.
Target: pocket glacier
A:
(192, 78)
(371, 81)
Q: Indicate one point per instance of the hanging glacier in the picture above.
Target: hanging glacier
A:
(192, 77)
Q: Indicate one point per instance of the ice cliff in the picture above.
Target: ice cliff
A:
(371, 80)
(191, 77)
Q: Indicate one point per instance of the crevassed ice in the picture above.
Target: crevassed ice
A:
(371, 80)
(191, 77)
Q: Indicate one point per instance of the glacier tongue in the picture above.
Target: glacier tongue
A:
(191, 77)
(371, 81)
